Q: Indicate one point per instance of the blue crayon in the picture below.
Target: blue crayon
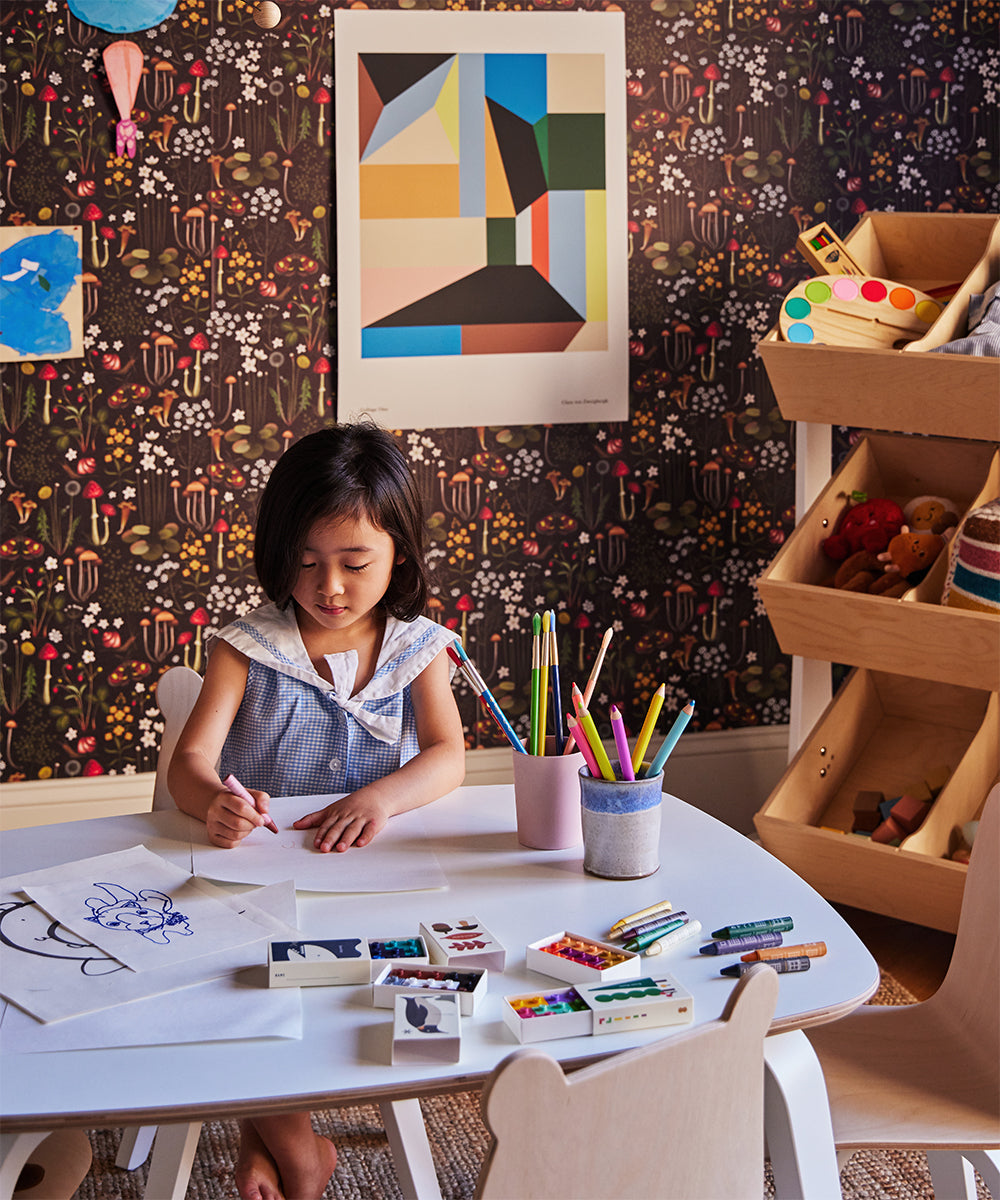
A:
(771, 925)
(753, 941)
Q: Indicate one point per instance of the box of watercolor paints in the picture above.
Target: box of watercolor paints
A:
(952, 255)
(597, 1008)
(578, 959)
(468, 984)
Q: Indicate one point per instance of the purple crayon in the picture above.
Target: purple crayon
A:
(784, 966)
(752, 941)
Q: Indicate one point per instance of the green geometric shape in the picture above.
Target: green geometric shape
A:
(575, 151)
(501, 242)
(541, 129)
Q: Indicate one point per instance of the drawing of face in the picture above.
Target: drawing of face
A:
(147, 913)
(24, 926)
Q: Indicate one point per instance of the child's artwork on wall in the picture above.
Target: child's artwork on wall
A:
(122, 16)
(140, 909)
(41, 293)
(482, 269)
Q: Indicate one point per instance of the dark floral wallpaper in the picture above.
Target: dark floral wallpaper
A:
(131, 475)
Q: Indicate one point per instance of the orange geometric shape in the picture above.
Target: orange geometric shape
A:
(499, 202)
(417, 190)
(519, 339)
(540, 235)
(369, 108)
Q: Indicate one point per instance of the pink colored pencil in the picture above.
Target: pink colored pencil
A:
(584, 747)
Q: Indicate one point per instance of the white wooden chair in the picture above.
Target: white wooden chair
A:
(682, 1118)
(927, 1076)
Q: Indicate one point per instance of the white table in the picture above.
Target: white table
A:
(521, 895)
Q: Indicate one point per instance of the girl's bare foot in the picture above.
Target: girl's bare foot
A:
(304, 1159)
(256, 1171)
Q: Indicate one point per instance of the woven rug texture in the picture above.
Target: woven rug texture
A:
(458, 1140)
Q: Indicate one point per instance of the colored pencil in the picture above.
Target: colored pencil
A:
(670, 741)
(588, 691)
(586, 724)
(536, 673)
(557, 713)
(457, 653)
(543, 684)
(232, 784)
(647, 727)
(621, 742)
(584, 747)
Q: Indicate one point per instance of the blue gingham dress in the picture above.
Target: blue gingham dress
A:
(295, 734)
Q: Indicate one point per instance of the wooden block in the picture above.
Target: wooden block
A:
(888, 833)
(909, 812)
(866, 811)
(886, 806)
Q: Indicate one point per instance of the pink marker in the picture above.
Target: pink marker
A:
(238, 789)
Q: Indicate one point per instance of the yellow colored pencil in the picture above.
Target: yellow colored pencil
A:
(648, 726)
(594, 741)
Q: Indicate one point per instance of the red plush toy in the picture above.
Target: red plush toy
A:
(868, 526)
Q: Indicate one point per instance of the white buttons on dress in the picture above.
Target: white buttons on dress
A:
(334, 764)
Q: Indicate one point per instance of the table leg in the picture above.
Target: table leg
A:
(15, 1150)
(173, 1155)
(411, 1152)
(797, 1120)
(133, 1149)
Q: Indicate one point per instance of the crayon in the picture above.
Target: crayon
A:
(648, 725)
(771, 925)
(675, 938)
(784, 966)
(806, 950)
(636, 944)
(753, 941)
(659, 906)
(621, 742)
(644, 926)
(232, 784)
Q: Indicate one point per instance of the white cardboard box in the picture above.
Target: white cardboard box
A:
(426, 1029)
(638, 1003)
(468, 984)
(555, 1013)
(586, 960)
(318, 962)
(463, 943)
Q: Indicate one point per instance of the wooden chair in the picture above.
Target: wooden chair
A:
(927, 1076)
(683, 1118)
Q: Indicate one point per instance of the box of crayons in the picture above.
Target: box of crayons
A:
(542, 1016)
(468, 984)
(637, 1004)
(463, 943)
(407, 951)
(578, 959)
(318, 963)
(426, 1029)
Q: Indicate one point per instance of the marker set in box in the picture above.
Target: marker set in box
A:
(596, 1008)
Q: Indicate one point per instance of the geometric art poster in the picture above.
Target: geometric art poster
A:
(481, 227)
(41, 293)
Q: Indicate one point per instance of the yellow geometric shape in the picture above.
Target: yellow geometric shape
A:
(392, 192)
(596, 250)
(447, 107)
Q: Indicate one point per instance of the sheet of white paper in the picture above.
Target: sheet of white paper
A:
(50, 973)
(140, 909)
(400, 859)
(239, 1005)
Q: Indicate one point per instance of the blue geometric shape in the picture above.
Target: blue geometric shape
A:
(519, 83)
(471, 135)
(567, 261)
(411, 341)
(401, 112)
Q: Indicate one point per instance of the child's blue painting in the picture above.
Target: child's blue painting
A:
(41, 308)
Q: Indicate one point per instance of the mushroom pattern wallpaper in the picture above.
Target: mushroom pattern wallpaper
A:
(130, 475)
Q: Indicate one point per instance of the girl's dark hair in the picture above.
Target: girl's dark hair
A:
(355, 471)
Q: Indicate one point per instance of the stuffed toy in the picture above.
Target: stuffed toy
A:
(868, 526)
(973, 580)
(931, 512)
(905, 561)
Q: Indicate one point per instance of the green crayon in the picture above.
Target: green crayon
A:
(771, 925)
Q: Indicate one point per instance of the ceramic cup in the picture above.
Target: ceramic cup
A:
(621, 825)
(547, 798)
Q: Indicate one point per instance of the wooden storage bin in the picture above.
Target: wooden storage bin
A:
(914, 635)
(880, 732)
(951, 395)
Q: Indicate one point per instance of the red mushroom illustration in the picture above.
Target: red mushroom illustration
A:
(48, 655)
(464, 605)
(321, 97)
(220, 527)
(47, 95)
(822, 100)
(198, 344)
(197, 71)
(199, 619)
(93, 214)
(48, 373)
(322, 369)
(93, 492)
(713, 75)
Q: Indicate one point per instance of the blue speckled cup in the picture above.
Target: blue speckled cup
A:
(621, 825)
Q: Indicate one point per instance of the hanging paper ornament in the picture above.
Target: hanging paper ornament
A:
(123, 63)
(122, 16)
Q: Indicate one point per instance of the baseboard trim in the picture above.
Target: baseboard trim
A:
(728, 773)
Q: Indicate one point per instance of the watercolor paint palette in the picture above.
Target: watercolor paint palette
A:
(637, 1004)
(426, 1029)
(318, 962)
(543, 1016)
(408, 950)
(856, 310)
(578, 959)
(468, 984)
(463, 943)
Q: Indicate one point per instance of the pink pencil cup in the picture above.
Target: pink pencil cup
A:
(547, 798)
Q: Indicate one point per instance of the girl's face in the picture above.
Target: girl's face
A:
(345, 572)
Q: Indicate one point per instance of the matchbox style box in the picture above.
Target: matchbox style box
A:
(318, 962)
(426, 1029)
(637, 1003)
(468, 984)
(575, 958)
(464, 942)
(406, 950)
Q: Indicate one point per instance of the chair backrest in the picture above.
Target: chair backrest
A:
(176, 694)
(969, 995)
(683, 1117)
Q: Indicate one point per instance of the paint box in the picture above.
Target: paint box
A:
(468, 984)
(576, 958)
(638, 1003)
(426, 1029)
(464, 942)
(408, 950)
(915, 634)
(318, 962)
(908, 389)
(880, 729)
(544, 1015)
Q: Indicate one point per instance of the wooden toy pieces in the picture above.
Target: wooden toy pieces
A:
(825, 252)
(856, 310)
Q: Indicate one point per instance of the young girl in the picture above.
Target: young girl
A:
(337, 685)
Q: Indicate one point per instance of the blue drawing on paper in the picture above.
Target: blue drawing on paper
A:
(147, 913)
(26, 927)
(122, 16)
(36, 275)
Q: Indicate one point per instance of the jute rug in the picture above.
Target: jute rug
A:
(458, 1141)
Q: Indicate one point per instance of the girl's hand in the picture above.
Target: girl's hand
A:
(351, 821)
(229, 819)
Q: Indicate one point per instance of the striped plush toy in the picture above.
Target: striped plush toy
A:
(974, 569)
